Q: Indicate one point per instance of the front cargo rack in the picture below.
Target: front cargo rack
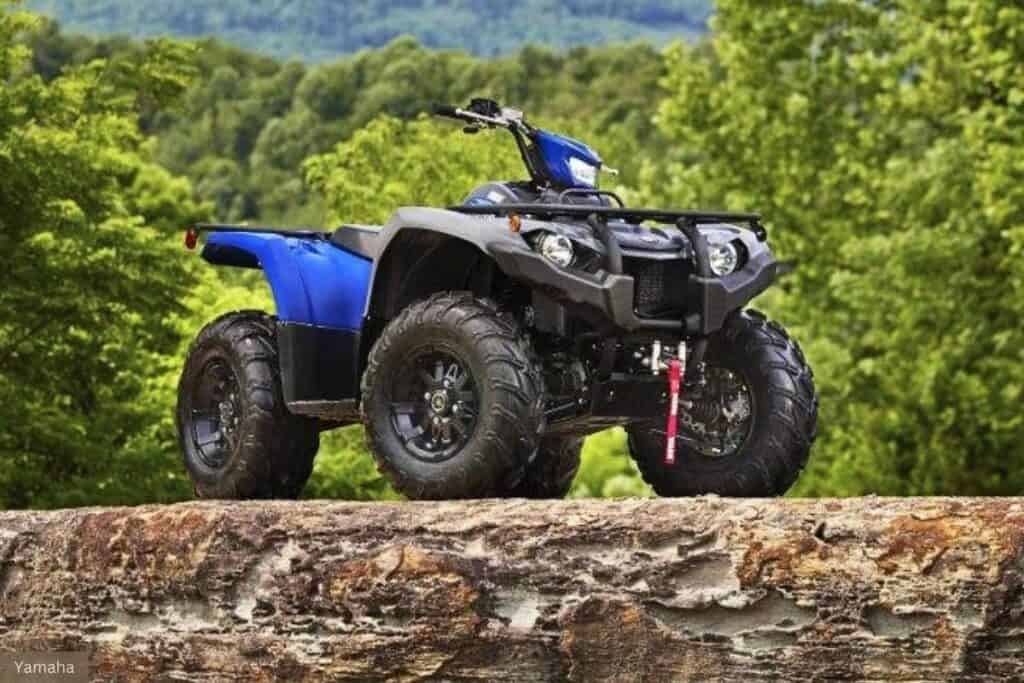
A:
(583, 212)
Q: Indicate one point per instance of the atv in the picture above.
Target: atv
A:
(480, 343)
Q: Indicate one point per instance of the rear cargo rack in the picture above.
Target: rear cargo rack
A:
(583, 212)
(288, 232)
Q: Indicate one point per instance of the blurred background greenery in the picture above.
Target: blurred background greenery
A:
(884, 142)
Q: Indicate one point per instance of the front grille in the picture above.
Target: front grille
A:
(659, 286)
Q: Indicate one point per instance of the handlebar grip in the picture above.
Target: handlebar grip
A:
(446, 110)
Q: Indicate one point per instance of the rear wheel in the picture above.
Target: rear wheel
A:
(452, 399)
(551, 473)
(748, 429)
(237, 438)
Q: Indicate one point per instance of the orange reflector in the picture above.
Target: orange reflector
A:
(515, 223)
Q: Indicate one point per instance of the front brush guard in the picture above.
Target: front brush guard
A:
(709, 299)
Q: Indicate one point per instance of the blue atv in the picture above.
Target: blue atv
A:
(480, 343)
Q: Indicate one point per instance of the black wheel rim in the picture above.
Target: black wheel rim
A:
(716, 417)
(434, 405)
(216, 411)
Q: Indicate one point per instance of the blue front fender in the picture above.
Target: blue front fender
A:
(313, 281)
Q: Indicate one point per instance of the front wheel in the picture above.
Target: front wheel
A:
(747, 429)
(452, 399)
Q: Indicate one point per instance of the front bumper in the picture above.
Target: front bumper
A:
(708, 300)
(712, 299)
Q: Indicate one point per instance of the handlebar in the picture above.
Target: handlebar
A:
(475, 118)
(482, 113)
(446, 110)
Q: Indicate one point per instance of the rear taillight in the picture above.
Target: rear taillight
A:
(191, 238)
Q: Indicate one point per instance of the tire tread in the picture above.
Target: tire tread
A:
(513, 422)
(792, 422)
(278, 449)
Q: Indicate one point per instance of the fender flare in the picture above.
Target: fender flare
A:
(313, 282)
(490, 235)
(607, 294)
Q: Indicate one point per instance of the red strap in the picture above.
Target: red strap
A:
(675, 380)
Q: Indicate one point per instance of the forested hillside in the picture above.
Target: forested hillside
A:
(243, 129)
(884, 146)
(324, 29)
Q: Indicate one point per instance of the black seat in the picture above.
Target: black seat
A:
(358, 239)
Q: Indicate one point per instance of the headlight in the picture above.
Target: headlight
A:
(723, 258)
(582, 172)
(556, 248)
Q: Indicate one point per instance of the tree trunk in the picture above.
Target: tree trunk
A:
(651, 590)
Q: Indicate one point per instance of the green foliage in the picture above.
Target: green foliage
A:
(243, 128)
(321, 29)
(607, 470)
(244, 132)
(358, 178)
(90, 283)
(884, 142)
(346, 471)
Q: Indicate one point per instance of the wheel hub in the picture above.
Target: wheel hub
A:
(227, 412)
(439, 402)
(434, 405)
(215, 414)
(717, 418)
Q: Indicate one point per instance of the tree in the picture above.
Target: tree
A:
(90, 278)
(391, 163)
(245, 123)
(321, 29)
(883, 142)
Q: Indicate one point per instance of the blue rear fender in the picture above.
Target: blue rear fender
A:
(313, 281)
(320, 292)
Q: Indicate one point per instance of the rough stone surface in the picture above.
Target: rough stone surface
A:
(652, 590)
